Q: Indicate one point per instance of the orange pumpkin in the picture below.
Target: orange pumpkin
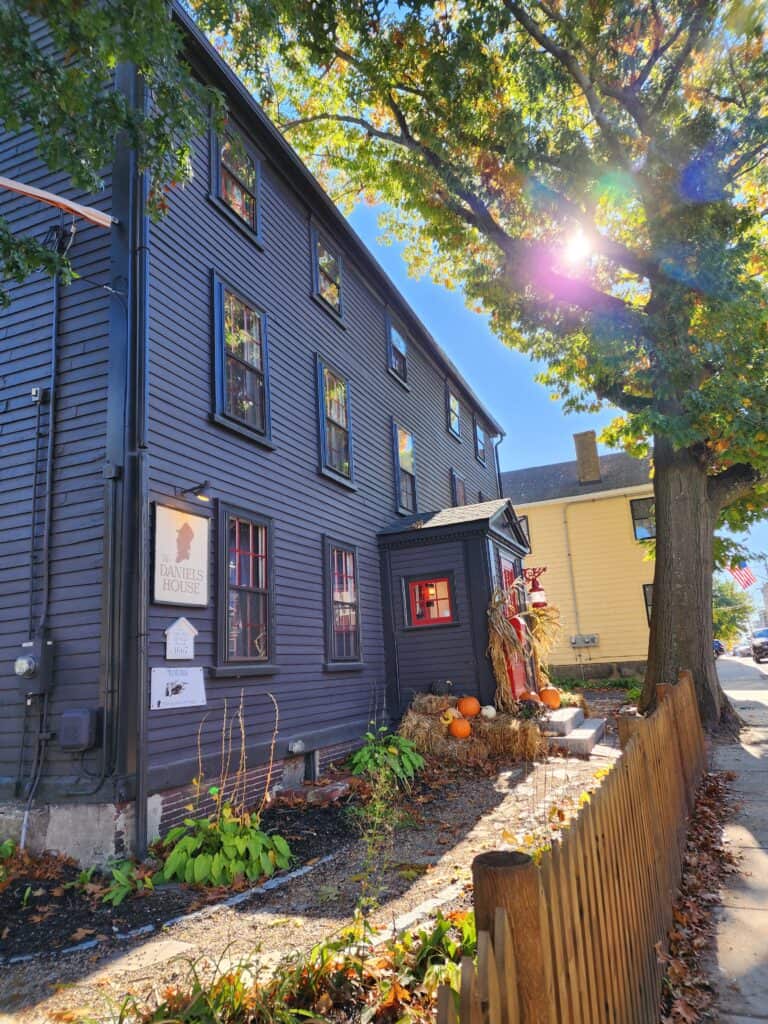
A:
(530, 695)
(460, 728)
(550, 696)
(469, 707)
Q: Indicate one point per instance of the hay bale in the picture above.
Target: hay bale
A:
(472, 750)
(423, 731)
(509, 737)
(431, 704)
(430, 737)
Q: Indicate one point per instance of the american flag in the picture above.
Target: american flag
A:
(743, 575)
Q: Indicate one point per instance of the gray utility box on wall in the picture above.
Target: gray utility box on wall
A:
(585, 640)
(78, 729)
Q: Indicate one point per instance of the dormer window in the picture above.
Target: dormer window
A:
(238, 180)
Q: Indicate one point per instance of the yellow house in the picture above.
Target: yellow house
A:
(587, 521)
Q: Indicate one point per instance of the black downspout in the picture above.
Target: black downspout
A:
(141, 454)
(496, 444)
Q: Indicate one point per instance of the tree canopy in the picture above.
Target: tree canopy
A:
(592, 174)
(56, 60)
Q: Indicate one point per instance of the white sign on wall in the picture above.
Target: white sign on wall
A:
(181, 557)
(180, 640)
(177, 687)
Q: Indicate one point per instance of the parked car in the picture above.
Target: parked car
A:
(760, 645)
(743, 649)
(718, 647)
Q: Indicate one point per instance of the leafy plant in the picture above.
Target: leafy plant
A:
(83, 879)
(7, 850)
(385, 751)
(220, 848)
(127, 878)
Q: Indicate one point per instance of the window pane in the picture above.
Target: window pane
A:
(407, 491)
(454, 415)
(399, 344)
(405, 449)
(335, 398)
(480, 441)
(237, 160)
(337, 448)
(238, 198)
(247, 625)
(244, 394)
(242, 331)
(343, 563)
(430, 602)
(643, 518)
(328, 263)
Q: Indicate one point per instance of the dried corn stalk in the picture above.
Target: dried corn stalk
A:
(504, 646)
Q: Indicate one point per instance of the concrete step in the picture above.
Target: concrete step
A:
(562, 721)
(580, 741)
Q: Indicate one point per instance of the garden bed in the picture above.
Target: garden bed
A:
(44, 908)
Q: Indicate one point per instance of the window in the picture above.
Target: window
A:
(327, 274)
(335, 423)
(398, 353)
(430, 602)
(453, 411)
(247, 585)
(643, 518)
(405, 472)
(343, 635)
(648, 597)
(481, 442)
(238, 181)
(458, 489)
(242, 384)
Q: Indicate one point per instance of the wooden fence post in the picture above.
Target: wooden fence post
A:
(511, 881)
(628, 726)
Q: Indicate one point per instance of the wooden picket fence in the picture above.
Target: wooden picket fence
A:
(576, 939)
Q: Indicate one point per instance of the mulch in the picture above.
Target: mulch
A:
(42, 907)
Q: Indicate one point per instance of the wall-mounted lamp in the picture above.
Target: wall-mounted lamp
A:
(199, 491)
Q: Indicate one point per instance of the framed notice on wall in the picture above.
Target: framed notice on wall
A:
(181, 557)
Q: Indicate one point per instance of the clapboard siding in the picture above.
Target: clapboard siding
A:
(77, 522)
(284, 484)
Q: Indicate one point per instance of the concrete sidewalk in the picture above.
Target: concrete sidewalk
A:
(741, 940)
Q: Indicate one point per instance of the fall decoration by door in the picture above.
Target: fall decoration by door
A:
(550, 696)
(460, 728)
(469, 707)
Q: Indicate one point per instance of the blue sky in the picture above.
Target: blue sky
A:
(538, 432)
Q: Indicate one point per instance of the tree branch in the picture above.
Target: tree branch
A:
(616, 395)
(695, 29)
(733, 483)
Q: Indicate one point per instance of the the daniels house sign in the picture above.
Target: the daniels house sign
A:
(181, 557)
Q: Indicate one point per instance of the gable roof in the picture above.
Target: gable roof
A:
(497, 515)
(561, 479)
(299, 174)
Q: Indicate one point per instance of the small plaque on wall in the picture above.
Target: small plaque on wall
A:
(178, 687)
(180, 640)
(181, 557)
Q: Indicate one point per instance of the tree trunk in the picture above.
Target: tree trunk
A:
(681, 618)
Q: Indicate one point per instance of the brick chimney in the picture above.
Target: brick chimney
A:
(587, 458)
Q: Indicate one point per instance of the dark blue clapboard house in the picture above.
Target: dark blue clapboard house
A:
(235, 467)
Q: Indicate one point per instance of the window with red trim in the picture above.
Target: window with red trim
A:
(430, 602)
(247, 590)
(344, 610)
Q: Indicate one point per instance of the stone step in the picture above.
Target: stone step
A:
(562, 721)
(580, 741)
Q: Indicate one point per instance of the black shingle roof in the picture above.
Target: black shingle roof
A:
(561, 480)
(477, 513)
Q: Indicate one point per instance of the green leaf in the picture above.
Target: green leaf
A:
(202, 868)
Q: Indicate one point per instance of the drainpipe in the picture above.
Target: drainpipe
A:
(571, 571)
(141, 431)
(496, 444)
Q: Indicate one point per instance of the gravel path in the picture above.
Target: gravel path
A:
(430, 865)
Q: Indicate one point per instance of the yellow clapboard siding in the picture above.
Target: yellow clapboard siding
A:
(593, 539)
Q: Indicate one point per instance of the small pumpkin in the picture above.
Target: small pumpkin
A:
(469, 707)
(530, 695)
(448, 715)
(488, 711)
(550, 695)
(460, 728)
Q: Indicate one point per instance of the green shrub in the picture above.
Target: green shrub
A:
(7, 850)
(221, 848)
(127, 877)
(385, 751)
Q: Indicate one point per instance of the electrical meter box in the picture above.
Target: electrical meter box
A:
(78, 729)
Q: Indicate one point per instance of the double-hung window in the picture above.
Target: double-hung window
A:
(343, 605)
(327, 273)
(405, 469)
(239, 180)
(397, 353)
(481, 442)
(458, 489)
(453, 411)
(429, 602)
(643, 518)
(246, 588)
(242, 380)
(335, 423)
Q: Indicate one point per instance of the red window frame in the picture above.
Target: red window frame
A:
(417, 599)
(248, 638)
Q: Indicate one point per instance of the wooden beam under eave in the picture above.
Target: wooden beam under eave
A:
(93, 216)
